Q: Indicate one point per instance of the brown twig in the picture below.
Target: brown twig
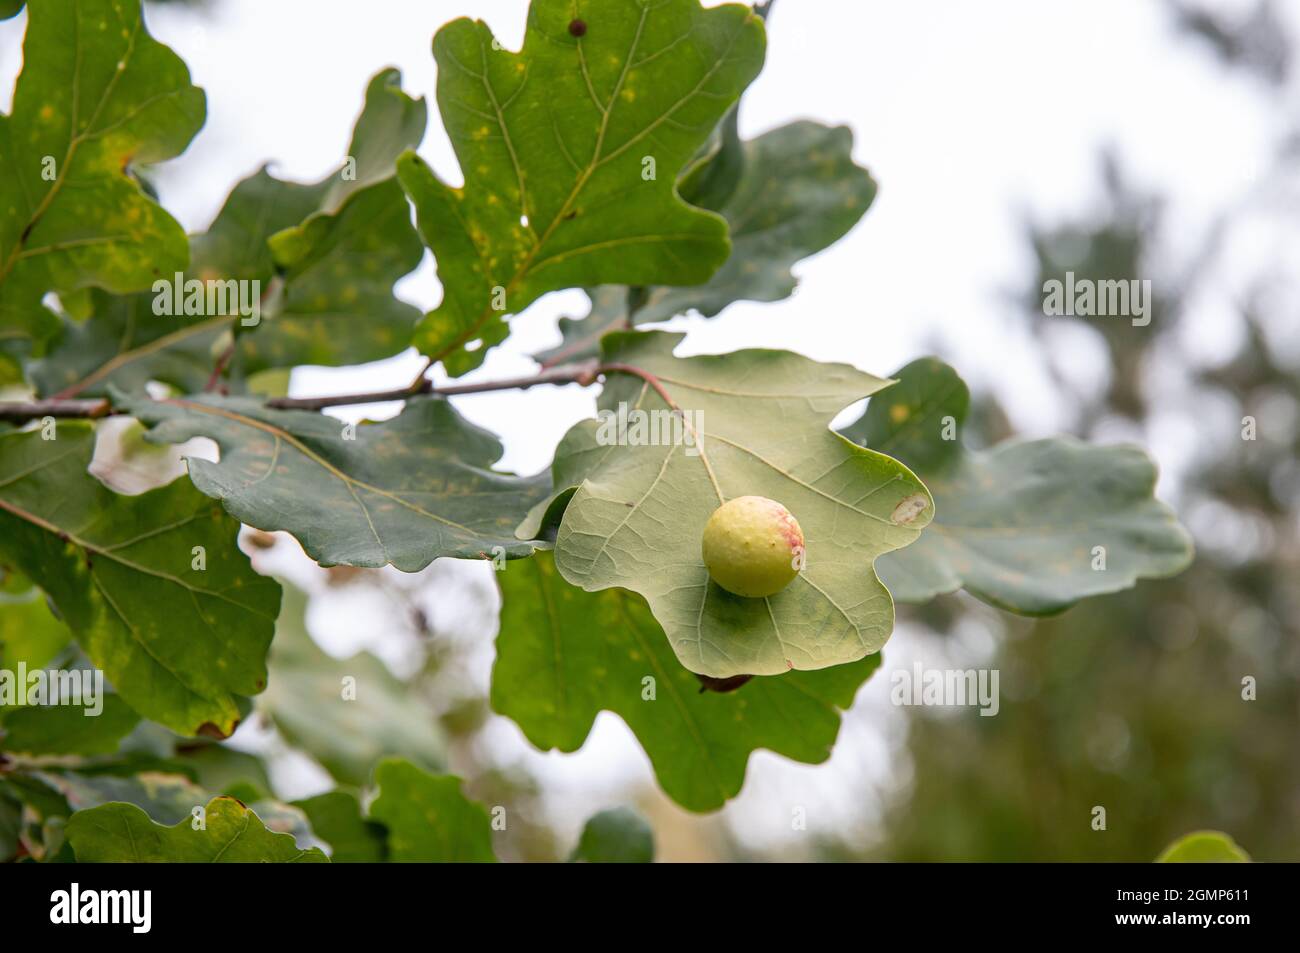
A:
(342, 400)
(19, 412)
(583, 372)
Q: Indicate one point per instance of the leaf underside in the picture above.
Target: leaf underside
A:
(1031, 527)
(637, 514)
(400, 492)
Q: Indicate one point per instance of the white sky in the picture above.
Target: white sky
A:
(967, 114)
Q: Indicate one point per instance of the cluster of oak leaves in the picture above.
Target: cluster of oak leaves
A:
(605, 155)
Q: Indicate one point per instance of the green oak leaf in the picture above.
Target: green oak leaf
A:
(391, 122)
(35, 793)
(29, 632)
(570, 151)
(122, 833)
(918, 419)
(220, 768)
(14, 583)
(66, 729)
(168, 798)
(338, 306)
(237, 242)
(564, 655)
(429, 820)
(1017, 525)
(97, 94)
(180, 644)
(1203, 847)
(800, 192)
(126, 343)
(618, 836)
(402, 491)
(10, 8)
(636, 517)
(337, 820)
(714, 174)
(339, 265)
(706, 183)
(326, 254)
(347, 735)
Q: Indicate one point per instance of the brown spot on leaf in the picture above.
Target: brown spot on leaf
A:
(577, 28)
(209, 730)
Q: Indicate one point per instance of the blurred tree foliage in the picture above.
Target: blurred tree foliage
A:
(1135, 702)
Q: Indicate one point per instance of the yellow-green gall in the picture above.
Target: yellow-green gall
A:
(753, 546)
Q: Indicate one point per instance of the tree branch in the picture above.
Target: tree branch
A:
(19, 412)
(582, 372)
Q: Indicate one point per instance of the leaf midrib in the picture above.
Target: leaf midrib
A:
(74, 138)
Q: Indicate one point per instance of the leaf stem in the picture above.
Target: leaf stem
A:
(219, 368)
(618, 368)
